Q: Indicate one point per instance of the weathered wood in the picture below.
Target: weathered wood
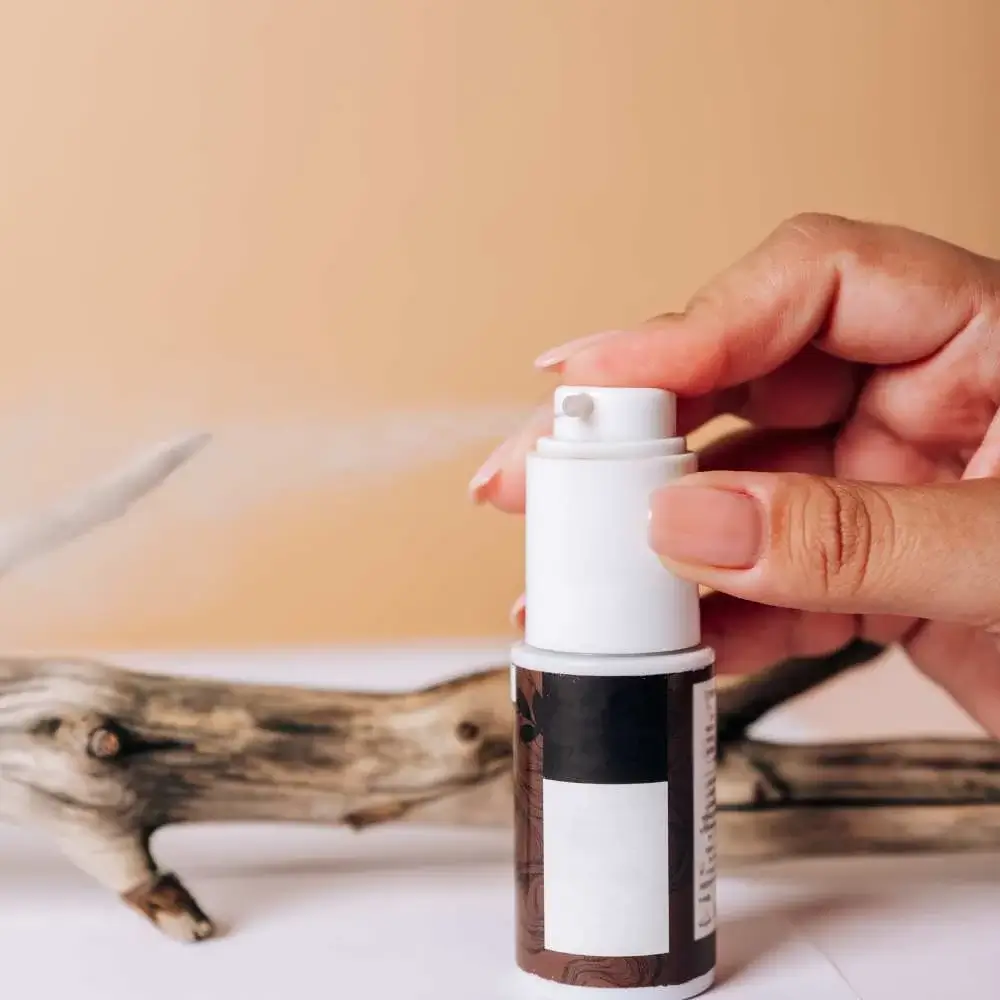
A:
(744, 701)
(99, 758)
(757, 823)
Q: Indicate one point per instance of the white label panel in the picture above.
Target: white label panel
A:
(703, 759)
(607, 871)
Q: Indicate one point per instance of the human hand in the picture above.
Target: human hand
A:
(863, 501)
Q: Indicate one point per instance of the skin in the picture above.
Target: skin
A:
(864, 501)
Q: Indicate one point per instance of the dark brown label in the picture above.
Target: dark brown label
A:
(608, 730)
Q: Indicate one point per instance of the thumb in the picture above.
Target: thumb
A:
(819, 544)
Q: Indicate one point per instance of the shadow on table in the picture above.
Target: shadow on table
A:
(800, 898)
(758, 939)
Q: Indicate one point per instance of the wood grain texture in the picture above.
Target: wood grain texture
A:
(100, 758)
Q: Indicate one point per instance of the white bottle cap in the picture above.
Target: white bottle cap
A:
(593, 584)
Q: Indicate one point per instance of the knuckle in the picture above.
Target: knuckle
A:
(835, 540)
(813, 227)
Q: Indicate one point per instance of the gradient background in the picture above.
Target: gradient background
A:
(336, 232)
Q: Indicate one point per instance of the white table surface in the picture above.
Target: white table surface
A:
(418, 913)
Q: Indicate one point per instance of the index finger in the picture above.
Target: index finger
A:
(859, 291)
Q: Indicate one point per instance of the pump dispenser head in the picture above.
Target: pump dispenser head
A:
(593, 584)
(614, 415)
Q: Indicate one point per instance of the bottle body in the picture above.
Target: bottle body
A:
(615, 821)
(615, 702)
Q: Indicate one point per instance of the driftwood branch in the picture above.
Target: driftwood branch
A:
(99, 758)
(750, 698)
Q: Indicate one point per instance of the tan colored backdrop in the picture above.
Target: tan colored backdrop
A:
(336, 232)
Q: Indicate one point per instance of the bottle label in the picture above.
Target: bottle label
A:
(704, 735)
(608, 820)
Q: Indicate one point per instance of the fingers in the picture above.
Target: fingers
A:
(985, 461)
(764, 450)
(868, 450)
(747, 637)
(866, 293)
(500, 479)
(812, 389)
(807, 542)
(966, 663)
(754, 448)
(775, 338)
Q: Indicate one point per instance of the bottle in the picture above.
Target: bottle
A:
(616, 727)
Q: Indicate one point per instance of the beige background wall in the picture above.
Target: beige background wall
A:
(336, 233)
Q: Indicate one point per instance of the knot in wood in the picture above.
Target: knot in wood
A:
(468, 731)
(104, 743)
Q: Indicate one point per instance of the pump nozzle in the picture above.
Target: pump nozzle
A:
(579, 405)
(614, 415)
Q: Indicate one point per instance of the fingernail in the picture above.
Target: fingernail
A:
(486, 473)
(557, 355)
(706, 527)
(517, 613)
